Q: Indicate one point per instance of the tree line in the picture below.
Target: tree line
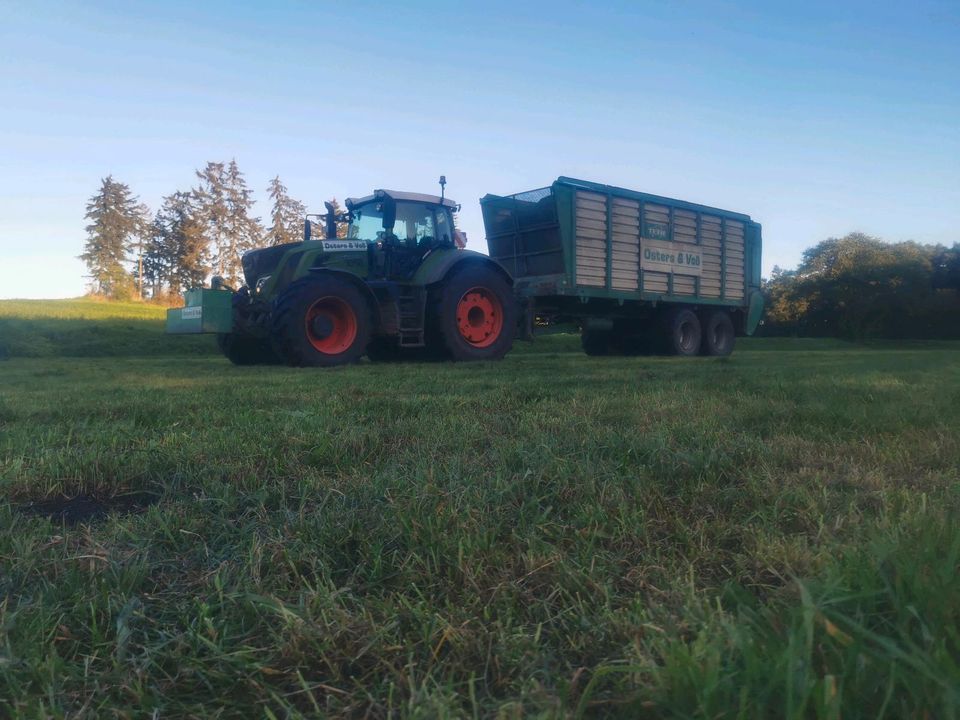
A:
(195, 233)
(856, 286)
(859, 287)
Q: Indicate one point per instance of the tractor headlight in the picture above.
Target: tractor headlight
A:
(261, 282)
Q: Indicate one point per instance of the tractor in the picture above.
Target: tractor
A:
(396, 281)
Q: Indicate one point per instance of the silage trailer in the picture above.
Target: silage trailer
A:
(637, 272)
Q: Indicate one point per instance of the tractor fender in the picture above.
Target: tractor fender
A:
(440, 263)
(357, 283)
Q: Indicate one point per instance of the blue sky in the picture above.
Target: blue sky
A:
(816, 118)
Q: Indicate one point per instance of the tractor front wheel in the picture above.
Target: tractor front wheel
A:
(243, 350)
(238, 347)
(475, 315)
(321, 321)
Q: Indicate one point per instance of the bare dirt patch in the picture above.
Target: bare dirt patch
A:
(87, 508)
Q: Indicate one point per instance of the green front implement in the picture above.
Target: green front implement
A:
(206, 311)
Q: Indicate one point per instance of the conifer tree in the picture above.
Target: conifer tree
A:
(224, 206)
(244, 231)
(140, 243)
(287, 215)
(212, 211)
(178, 254)
(115, 221)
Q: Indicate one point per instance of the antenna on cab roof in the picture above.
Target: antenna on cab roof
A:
(443, 185)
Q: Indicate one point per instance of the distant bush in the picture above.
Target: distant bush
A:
(859, 287)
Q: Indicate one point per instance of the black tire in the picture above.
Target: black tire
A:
(683, 332)
(474, 315)
(383, 349)
(321, 321)
(633, 345)
(244, 350)
(718, 334)
(239, 348)
(596, 343)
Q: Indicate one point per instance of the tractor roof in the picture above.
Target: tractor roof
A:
(399, 195)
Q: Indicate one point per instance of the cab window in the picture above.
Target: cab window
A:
(415, 224)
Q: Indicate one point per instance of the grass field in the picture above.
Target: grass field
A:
(769, 535)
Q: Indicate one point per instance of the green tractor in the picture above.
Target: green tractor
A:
(397, 280)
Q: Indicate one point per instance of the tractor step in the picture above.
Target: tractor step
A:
(411, 307)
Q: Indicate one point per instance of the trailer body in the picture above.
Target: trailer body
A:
(599, 253)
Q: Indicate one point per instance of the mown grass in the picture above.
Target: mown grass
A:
(769, 535)
(88, 327)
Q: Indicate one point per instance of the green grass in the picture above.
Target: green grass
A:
(86, 327)
(769, 535)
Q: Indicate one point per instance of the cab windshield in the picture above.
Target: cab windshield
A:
(417, 225)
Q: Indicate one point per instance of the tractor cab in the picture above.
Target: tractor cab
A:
(397, 229)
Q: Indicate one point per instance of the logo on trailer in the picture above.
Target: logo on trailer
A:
(670, 258)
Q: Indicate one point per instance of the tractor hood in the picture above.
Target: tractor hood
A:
(264, 261)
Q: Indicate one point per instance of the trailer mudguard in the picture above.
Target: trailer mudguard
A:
(754, 312)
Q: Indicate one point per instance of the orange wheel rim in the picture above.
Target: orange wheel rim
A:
(480, 317)
(331, 325)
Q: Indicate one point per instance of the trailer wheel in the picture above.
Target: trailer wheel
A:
(475, 315)
(718, 334)
(321, 321)
(596, 343)
(241, 349)
(683, 332)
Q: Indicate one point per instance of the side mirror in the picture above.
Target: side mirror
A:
(331, 219)
(307, 231)
(389, 214)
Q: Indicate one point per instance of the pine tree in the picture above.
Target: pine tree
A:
(139, 246)
(178, 255)
(224, 206)
(244, 231)
(287, 215)
(212, 211)
(115, 221)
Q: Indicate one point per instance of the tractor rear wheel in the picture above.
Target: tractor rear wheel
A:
(321, 321)
(718, 334)
(475, 315)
